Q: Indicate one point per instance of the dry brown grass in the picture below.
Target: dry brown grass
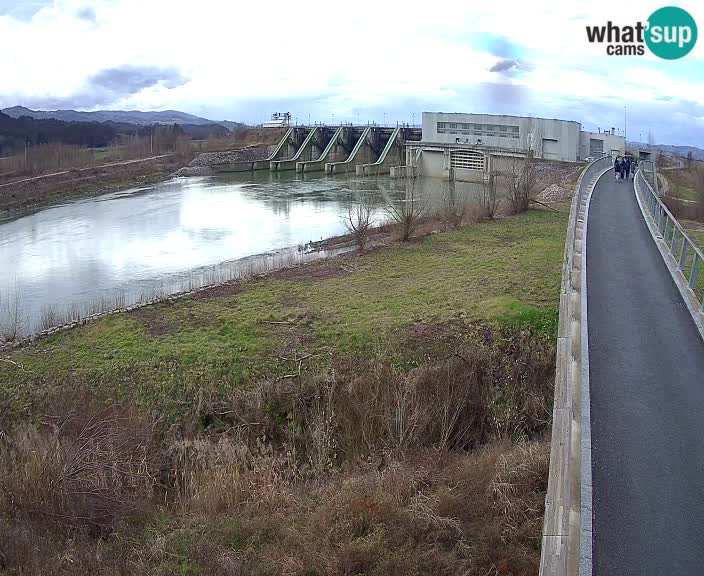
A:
(89, 467)
(363, 467)
(425, 512)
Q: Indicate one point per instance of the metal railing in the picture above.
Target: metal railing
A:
(687, 256)
(567, 537)
(650, 174)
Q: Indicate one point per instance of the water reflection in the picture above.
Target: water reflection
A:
(82, 251)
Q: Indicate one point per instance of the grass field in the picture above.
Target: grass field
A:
(506, 272)
(685, 183)
(382, 414)
(695, 230)
(684, 193)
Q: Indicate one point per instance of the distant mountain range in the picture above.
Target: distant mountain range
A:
(123, 116)
(682, 151)
(32, 128)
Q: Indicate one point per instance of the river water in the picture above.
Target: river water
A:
(86, 255)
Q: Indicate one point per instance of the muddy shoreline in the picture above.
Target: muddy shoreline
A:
(17, 199)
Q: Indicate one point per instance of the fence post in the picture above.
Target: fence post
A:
(694, 273)
(683, 255)
(666, 232)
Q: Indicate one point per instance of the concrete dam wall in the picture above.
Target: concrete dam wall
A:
(362, 150)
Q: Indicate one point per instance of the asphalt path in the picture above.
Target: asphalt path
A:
(646, 365)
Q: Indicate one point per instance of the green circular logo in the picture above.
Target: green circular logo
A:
(670, 32)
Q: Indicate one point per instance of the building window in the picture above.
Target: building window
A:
(467, 159)
(480, 130)
(596, 146)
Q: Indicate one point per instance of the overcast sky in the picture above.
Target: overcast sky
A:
(331, 61)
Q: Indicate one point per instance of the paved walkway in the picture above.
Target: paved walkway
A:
(646, 363)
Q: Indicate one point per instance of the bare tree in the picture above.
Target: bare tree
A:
(489, 201)
(454, 204)
(408, 211)
(512, 183)
(12, 317)
(521, 181)
(532, 138)
(359, 217)
(521, 176)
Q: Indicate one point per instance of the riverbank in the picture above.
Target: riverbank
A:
(26, 194)
(29, 194)
(380, 413)
(207, 163)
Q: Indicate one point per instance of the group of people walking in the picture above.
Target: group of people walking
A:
(625, 167)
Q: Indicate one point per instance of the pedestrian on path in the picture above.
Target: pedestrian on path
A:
(627, 168)
(617, 167)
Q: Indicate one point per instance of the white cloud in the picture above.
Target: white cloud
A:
(242, 60)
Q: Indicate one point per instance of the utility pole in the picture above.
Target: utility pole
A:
(624, 125)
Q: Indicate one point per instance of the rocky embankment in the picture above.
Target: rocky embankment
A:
(555, 193)
(204, 164)
(549, 172)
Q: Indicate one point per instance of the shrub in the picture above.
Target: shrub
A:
(89, 468)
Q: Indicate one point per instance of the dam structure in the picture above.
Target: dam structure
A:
(471, 147)
(345, 149)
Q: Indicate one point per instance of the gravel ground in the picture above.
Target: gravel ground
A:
(194, 171)
(549, 172)
(554, 193)
(241, 155)
(202, 164)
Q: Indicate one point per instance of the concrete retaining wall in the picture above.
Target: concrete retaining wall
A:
(567, 537)
(304, 153)
(391, 155)
(282, 150)
(361, 154)
(249, 165)
(334, 152)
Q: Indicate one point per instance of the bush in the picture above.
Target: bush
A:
(89, 468)
(363, 466)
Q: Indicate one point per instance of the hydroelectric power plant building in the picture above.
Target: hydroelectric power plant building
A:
(474, 144)
(466, 146)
